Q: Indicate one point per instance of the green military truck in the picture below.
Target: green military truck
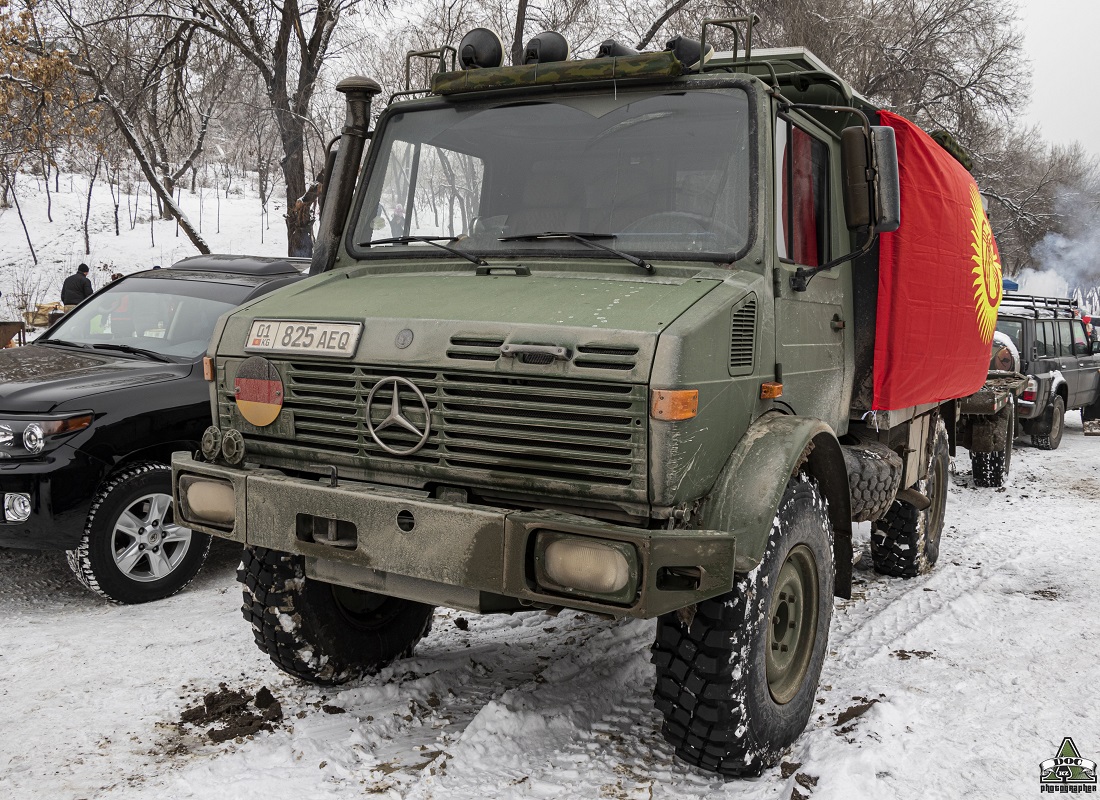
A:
(591, 334)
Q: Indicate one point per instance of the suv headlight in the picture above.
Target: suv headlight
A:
(31, 436)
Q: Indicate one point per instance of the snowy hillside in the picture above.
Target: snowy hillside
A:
(230, 224)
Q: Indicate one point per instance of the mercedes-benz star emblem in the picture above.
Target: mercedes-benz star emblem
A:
(396, 417)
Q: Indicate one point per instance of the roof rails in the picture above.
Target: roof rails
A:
(1040, 306)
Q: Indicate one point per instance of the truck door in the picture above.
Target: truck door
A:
(1088, 366)
(809, 326)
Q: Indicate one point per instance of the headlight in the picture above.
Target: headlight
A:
(38, 435)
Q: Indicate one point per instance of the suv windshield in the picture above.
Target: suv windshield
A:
(169, 317)
(664, 175)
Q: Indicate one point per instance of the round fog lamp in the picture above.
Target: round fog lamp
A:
(17, 507)
(33, 438)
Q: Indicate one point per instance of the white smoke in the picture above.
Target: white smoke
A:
(1069, 261)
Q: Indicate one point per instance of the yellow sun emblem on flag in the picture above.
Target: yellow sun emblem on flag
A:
(987, 269)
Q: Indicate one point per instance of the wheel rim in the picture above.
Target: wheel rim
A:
(147, 545)
(365, 610)
(792, 624)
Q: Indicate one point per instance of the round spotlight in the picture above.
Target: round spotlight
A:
(233, 446)
(612, 49)
(17, 507)
(481, 48)
(34, 439)
(689, 52)
(545, 48)
(211, 443)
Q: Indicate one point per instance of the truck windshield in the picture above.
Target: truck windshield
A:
(664, 175)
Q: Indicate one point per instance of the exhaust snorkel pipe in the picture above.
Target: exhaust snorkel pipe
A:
(340, 183)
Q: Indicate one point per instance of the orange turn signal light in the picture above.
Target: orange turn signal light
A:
(769, 390)
(672, 404)
(208, 368)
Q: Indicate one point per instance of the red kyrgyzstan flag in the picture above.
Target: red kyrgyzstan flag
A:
(939, 282)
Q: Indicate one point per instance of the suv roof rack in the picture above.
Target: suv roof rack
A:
(243, 265)
(1039, 306)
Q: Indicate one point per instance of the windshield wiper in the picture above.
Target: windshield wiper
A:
(432, 240)
(583, 238)
(65, 343)
(137, 351)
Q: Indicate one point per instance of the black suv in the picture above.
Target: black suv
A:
(91, 412)
(1062, 364)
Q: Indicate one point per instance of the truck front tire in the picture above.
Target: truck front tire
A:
(321, 632)
(906, 542)
(736, 682)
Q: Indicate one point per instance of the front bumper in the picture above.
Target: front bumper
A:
(61, 487)
(407, 544)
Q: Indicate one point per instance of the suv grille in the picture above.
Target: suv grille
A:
(578, 431)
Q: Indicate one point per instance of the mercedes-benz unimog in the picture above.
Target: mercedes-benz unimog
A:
(637, 335)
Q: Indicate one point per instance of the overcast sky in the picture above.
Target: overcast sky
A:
(1062, 37)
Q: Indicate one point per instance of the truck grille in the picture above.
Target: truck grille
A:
(577, 431)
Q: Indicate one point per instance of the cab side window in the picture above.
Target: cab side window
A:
(802, 178)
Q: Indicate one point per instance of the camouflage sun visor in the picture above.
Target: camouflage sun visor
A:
(643, 66)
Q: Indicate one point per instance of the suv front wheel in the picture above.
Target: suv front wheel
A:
(132, 550)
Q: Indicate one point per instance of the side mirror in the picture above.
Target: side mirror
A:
(1094, 346)
(872, 189)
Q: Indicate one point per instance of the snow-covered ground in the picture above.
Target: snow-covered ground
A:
(978, 669)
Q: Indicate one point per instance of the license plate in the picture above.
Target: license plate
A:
(297, 336)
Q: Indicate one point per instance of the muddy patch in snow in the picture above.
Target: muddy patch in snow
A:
(232, 713)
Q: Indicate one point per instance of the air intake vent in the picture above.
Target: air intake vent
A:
(474, 348)
(605, 356)
(743, 338)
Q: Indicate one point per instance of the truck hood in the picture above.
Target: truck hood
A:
(609, 327)
(41, 379)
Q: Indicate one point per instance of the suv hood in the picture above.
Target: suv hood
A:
(609, 327)
(39, 378)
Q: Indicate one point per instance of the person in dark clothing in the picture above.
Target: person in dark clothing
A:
(76, 287)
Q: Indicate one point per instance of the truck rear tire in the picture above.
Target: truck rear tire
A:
(906, 542)
(991, 469)
(736, 683)
(321, 632)
(1053, 437)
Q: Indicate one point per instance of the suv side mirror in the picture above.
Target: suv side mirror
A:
(872, 189)
(1094, 346)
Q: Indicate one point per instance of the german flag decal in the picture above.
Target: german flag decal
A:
(259, 391)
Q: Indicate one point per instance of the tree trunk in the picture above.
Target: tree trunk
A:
(299, 214)
(88, 207)
(164, 197)
(10, 186)
(517, 39)
(49, 196)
